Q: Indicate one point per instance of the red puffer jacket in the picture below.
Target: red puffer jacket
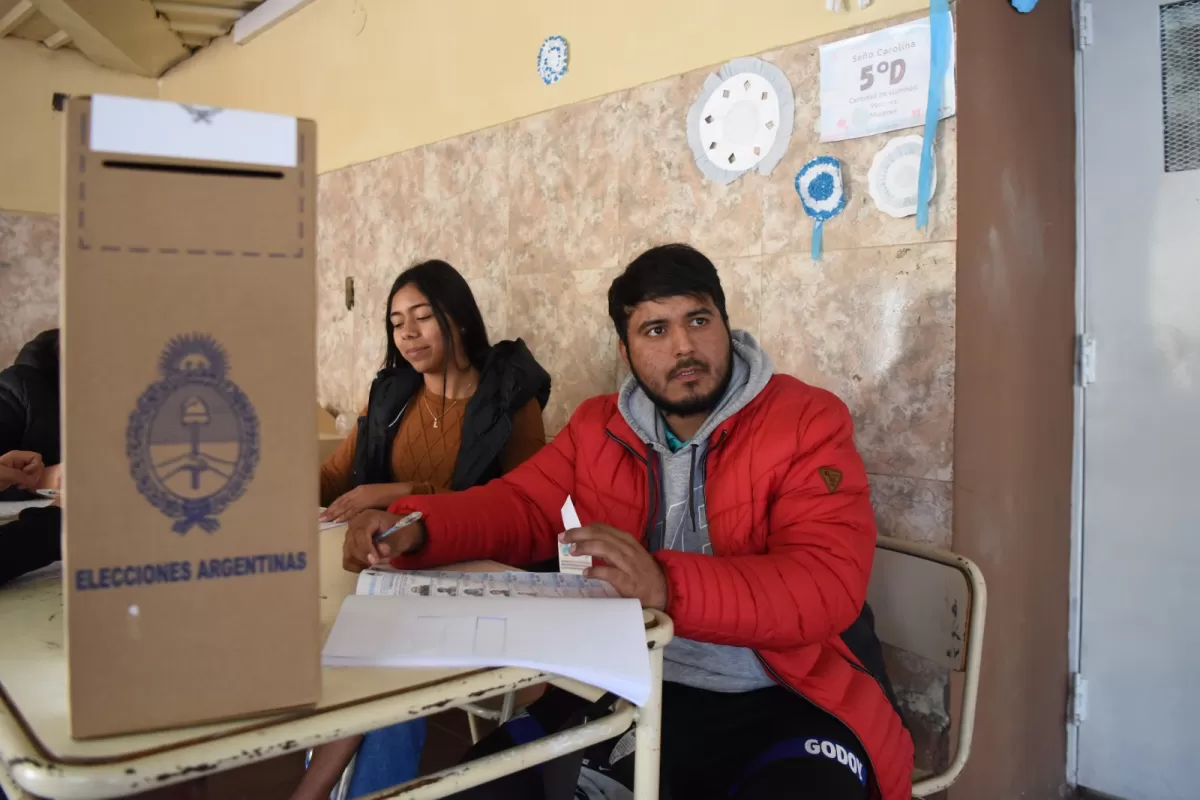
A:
(792, 530)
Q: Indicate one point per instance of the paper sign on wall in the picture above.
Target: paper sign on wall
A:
(879, 82)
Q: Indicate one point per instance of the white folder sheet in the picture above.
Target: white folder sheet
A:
(598, 641)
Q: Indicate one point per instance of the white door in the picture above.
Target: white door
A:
(1140, 608)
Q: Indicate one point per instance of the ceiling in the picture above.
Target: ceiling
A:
(143, 37)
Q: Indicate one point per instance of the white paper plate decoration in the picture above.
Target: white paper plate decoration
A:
(819, 184)
(892, 179)
(552, 59)
(741, 120)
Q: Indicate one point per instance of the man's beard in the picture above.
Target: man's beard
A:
(693, 405)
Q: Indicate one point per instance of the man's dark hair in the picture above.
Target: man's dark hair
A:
(669, 270)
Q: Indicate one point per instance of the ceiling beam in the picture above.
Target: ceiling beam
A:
(209, 29)
(211, 12)
(122, 34)
(266, 16)
(16, 17)
(192, 40)
(57, 40)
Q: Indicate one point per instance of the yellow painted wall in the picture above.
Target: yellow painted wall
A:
(30, 134)
(381, 76)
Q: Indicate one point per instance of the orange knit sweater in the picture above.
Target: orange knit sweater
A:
(424, 455)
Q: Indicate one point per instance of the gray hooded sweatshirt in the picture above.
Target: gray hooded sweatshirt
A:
(683, 526)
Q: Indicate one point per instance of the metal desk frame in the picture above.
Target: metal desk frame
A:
(30, 771)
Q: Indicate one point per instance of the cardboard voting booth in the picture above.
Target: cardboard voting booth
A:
(188, 352)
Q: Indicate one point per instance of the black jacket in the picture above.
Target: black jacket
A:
(29, 421)
(510, 378)
(29, 400)
(30, 542)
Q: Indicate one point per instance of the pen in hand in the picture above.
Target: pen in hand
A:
(403, 522)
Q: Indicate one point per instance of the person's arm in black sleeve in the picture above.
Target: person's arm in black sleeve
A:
(13, 418)
(30, 542)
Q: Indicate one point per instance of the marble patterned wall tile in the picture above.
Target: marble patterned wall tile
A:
(913, 509)
(392, 223)
(28, 280)
(336, 235)
(876, 327)
(741, 280)
(466, 200)
(393, 216)
(563, 189)
(563, 317)
(664, 197)
(491, 294)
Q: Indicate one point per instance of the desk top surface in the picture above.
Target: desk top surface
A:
(33, 669)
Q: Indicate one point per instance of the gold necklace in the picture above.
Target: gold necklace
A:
(437, 418)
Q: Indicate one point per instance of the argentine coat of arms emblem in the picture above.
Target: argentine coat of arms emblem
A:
(193, 439)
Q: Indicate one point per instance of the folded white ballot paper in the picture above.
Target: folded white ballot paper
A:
(599, 641)
(11, 509)
(571, 564)
(385, 580)
(324, 526)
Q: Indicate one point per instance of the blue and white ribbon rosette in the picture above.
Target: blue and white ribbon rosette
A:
(940, 52)
(552, 59)
(819, 184)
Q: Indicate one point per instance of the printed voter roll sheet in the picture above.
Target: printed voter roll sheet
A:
(388, 581)
(600, 642)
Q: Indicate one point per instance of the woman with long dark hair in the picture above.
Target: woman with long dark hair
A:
(448, 411)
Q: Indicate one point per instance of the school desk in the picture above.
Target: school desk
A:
(41, 759)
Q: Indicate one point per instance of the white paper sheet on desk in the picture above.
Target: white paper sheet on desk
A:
(9, 509)
(324, 526)
(601, 642)
(385, 580)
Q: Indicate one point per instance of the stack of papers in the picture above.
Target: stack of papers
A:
(494, 620)
(380, 580)
(9, 509)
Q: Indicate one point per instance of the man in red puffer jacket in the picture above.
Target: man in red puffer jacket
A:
(734, 499)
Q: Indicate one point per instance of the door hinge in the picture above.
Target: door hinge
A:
(349, 293)
(1084, 27)
(1077, 699)
(1085, 360)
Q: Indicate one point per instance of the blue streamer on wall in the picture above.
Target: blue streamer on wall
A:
(939, 62)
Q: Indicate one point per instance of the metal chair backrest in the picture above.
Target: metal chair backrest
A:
(932, 603)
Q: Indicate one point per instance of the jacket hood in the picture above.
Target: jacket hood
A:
(752, 369)
(520, 376)
(41, 353)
